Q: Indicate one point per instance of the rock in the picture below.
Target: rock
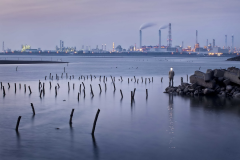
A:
(237, 95)
(195, 92)
(194, 85)
(222, 94)
(207, 77)
(222, 89)
(185, 90)
(218, 73)
(229, 88)
(226, 81)
(211, 72)
(201, 82)
(234, 94)
(232, 76)
(199, 74)
(208, 91)
(190, 90)
(220, 79)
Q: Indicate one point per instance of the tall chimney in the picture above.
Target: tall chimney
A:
(160, 38)
(196, 36)
(60, 45)
(232, 43)
(169, 35)
(140, 39)
(226, 42)
(213, 44)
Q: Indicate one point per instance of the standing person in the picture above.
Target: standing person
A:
(171, 76)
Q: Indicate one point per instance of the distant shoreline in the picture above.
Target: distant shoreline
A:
(27, 62)
(234, 59)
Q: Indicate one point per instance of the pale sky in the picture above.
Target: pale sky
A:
(43, 23)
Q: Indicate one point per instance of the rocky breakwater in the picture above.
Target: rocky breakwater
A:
(221, 82)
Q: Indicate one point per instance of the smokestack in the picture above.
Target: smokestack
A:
(226, 42)
(140, 38)
(169, 35)
(232, 43)
(160, 38)
(213, 44)
(60, 45)
(196, 36)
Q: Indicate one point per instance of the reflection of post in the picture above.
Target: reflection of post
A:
(171, 121)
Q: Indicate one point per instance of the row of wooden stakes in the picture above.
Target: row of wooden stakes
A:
(70, 120)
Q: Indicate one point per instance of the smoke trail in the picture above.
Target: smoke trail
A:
(146, 25)
(164, 26)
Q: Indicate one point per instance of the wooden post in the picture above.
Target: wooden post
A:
(30, 89)
(25, 88)
(132, 97)
(121, 93)
(187, 77)
(8, 85)
(80, 87)
(41, 94)
(152, 79)
(15, 87)
(64, 69)
(84, 92)
(73, 85)
(128, 80)
(78, 96)
(134, 92)
(55, 90)
(1, 85)
(71, 115)
(33, 109)
(161, 79)
(146, 93)
(114, 86)
(181, 80)
(4, 91)
(45, 77)
(68, 86)
(19, 85)
(95, 122)
(91, 90)
(105, 87)
(100, 88)
(19, 118)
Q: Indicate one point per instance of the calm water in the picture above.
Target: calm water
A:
(160, 127)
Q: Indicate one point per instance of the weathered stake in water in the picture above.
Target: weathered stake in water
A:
(71, 115)
(95, 122)
(19, 118)
(33, 108)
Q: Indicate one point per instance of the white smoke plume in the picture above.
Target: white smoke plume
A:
(146, 25)
(164, 26)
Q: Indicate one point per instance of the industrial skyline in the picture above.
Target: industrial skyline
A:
(43, 23)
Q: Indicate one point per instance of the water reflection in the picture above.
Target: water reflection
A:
(95, 148)
(171, 121)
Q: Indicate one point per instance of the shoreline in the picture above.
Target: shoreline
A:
(27, 62)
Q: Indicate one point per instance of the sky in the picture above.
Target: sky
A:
(43, 23)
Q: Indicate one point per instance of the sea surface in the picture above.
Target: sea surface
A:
(160, 126)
